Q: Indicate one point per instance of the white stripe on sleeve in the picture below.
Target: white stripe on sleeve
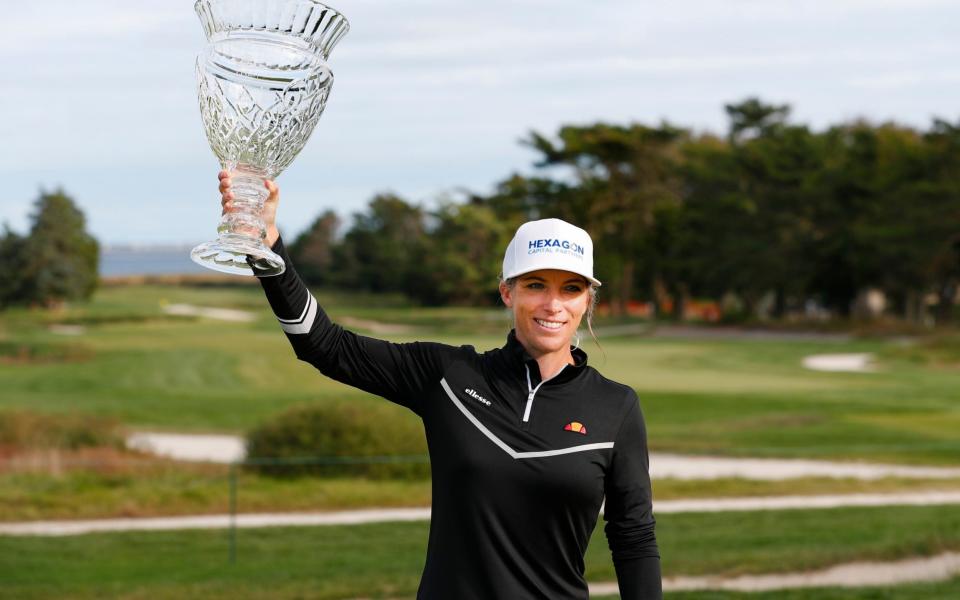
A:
(304, 322)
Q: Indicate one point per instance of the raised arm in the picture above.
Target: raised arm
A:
(397, 372)
(629, 511)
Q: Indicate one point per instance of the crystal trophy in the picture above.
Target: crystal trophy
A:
(263, 82)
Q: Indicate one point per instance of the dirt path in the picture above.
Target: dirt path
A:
(858, 574)
(679, 466)
(806, 502)
(377, 515)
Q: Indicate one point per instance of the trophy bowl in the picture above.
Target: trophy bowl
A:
(263, 82)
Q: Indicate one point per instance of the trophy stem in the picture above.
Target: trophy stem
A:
(249, 194)
(239, 249)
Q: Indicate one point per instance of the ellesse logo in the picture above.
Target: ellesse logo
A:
(576, 427)
(473, 394)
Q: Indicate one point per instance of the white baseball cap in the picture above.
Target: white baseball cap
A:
(549, 244)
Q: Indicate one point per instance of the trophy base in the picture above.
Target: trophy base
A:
(238, 255)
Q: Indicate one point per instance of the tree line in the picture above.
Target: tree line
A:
(772, 214)
(771, 211)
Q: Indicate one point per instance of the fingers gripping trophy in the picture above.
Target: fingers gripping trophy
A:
(263, 82)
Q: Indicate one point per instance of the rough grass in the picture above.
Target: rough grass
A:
(384, 560)
(42, 353)
(22, 430)
(113, 487)
(940, 350)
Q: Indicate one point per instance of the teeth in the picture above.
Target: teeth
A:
(549, 324)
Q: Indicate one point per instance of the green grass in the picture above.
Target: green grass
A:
(147, 491)
(384, 560)
(734, 397)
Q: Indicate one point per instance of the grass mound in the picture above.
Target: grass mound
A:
(339, 439)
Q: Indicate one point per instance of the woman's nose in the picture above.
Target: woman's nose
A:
(553, 303)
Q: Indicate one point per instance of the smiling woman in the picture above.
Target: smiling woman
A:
(526, 441)
(548, 283)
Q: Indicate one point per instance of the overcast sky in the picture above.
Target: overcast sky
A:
(99, 96)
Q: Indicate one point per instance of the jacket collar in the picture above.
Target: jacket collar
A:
(518, 355)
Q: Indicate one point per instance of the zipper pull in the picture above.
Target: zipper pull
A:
(526, 413)
(530, 392)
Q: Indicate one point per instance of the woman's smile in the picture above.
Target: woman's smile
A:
(550, 324)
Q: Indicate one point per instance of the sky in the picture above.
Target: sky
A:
(431, 97)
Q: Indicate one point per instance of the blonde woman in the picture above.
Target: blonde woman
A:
(526, 441)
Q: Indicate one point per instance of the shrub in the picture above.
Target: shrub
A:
(340, 440)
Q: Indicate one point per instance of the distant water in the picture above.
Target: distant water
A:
(166, 260)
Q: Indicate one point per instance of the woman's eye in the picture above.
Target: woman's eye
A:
(574, 288)
(534, 285)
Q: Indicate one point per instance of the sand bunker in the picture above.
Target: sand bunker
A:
(221, 314)
(850, 363)
(190, 447)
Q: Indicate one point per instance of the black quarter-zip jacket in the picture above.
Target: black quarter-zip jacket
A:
(520, 465)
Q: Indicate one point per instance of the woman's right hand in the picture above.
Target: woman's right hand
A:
(269, 213)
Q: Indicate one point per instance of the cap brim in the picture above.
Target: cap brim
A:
(592, 280)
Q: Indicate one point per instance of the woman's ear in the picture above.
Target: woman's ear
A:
(505, 295)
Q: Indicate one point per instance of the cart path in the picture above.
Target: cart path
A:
(855, 574)
(678, 466)
(379, 515)
(227, 449)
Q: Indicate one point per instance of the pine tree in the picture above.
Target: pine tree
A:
(61, 258)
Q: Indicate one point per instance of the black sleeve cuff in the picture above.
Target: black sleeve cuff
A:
(639, 578)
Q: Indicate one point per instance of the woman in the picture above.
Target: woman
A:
(525, 440)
